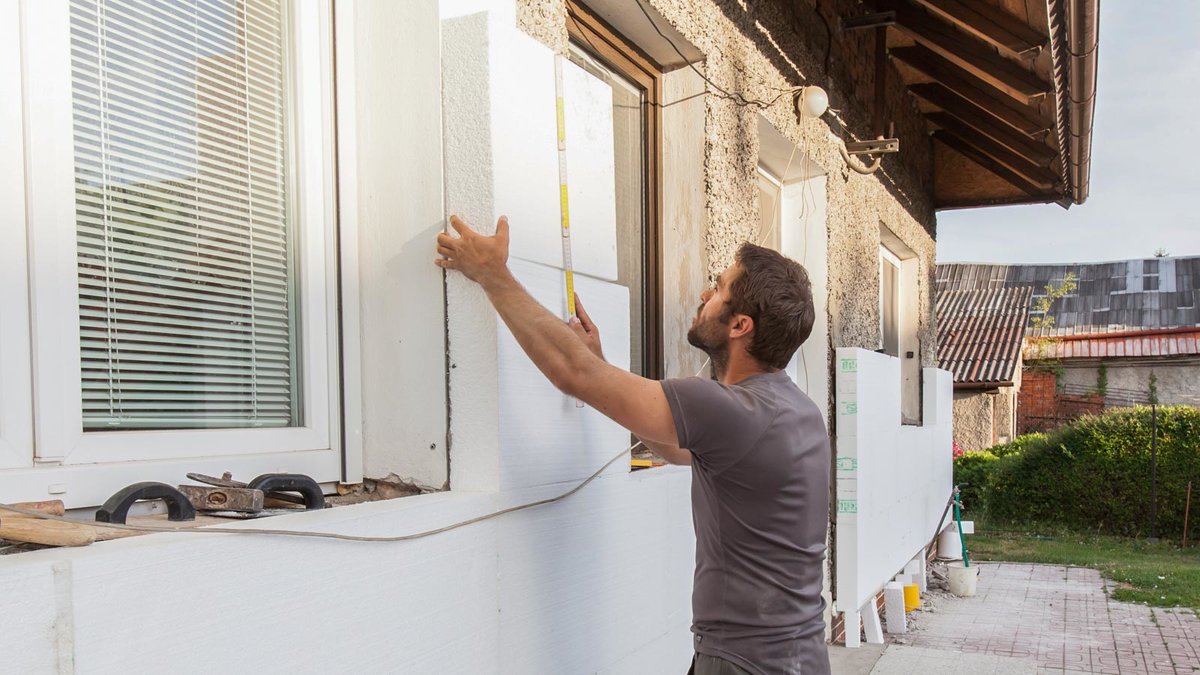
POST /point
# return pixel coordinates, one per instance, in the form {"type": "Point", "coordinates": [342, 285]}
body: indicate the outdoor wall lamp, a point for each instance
{"type": "Point", "coordinates": [811, 102]}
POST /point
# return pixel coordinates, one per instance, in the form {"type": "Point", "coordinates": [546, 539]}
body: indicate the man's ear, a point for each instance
{"type": "Point", "coordinates": [741, 326]}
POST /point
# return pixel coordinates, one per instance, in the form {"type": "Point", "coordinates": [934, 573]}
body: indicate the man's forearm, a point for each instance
{"type": "Point", "coordinates": [673, 454]}
{"type": "Point", "coordinates": [549, 342]}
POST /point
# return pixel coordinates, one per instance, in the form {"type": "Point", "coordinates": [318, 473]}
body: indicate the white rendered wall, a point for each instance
{"type": "Point", "coordinates": [893, 480]}
{"type": "Point", "coordinates": [390, 150]}
{"type": "Point", "coordinates": [599, 582]}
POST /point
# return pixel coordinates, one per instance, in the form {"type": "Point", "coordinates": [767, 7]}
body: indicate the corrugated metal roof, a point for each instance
{"type": "Point", "coordinates": [980, 333]}
{"type": "Point", "coordinates": [1112, 297]}
{"type": "Point", "coordinates": [1177, 342]}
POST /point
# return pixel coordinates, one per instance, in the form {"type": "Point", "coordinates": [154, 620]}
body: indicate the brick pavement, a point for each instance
{"type": "Point", "coordinates": [1045, 619]}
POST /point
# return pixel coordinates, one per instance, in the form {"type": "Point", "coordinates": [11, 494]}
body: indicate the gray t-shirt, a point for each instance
{"type": "Point", "coordinates": [760, 507]}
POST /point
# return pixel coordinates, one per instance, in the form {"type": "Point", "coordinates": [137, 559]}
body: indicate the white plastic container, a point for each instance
{"type": "Point", "coordinates": [962, 579]}
{"type": "Point", "coordinates": [949, 546]}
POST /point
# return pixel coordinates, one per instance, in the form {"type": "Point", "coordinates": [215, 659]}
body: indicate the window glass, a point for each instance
{"type": "Point", "coordinates": [187, 294]}
{"type": "Point", "coordinates": [889, 302]}
{"type": "Point", "coordinates": [629, 149]}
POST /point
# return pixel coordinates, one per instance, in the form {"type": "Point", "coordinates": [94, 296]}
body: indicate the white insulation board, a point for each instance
{"type": "Point", "coordinates": [517, 74]}
{"type": "Point", "coordinates": [546, 436]}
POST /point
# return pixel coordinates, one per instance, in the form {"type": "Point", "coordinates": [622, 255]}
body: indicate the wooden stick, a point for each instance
{"type": "Point", "coordinates": [47, 532]}
{"type": "Point", "coordinates": [53, 507]}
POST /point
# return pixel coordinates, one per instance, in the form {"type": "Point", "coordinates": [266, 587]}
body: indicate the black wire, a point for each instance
{"type": "Point", "coordinates": [739, 99]}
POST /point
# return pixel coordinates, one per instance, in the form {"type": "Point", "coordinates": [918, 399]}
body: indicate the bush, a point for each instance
{"type": "Point", "coordinates": [1095, 473]}
{"type": "Point", "coordinates": [1018, 444]}
{"type": "Point", "coordinates": [972, 471]}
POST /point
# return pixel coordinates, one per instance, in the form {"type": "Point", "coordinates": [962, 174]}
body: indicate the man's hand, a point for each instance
{"type": "Point", "coordinates": [587, 331]}
{"type": "Point", "coordinates": [480, 257]}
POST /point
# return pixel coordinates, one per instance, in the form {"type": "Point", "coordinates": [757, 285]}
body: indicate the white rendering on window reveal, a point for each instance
{"type": "Point", "coordinates": [181, 234]}
{"type": "Point", "coordinates": [16, 430]}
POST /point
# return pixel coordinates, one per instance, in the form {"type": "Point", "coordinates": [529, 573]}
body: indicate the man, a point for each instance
{"type": "Point", "coordinates": [757, 445]}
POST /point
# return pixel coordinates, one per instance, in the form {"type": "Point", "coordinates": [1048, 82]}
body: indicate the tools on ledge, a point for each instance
{"type": "Point", "coordinates": [218, 498]}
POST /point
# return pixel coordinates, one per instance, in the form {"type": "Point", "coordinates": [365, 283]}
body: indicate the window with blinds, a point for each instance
{"type": "Point", "coordinates": [186, 244]}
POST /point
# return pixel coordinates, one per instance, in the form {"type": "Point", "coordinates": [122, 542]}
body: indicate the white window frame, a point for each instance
{"type": "Point", "coordinates": [886, 257]}
{"type": "Point", "coordinates": [16, 428]}
{"type": "Point", "coordinates": [58, 439]}
{"type": "Point", "coordinates": [767, 182]}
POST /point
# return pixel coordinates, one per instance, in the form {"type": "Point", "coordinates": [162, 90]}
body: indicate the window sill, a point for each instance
{"type": "Point", "coordinates": [90, 485]}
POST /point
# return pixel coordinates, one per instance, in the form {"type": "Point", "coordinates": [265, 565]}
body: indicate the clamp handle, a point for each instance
{"type": "Point", "coordinates": [116, 509]}
{"type": "Point", "coordinates": [308, 488]}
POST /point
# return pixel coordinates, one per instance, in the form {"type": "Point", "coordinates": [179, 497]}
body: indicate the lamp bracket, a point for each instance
{"type": "Point", "coordinates": [880, 146]}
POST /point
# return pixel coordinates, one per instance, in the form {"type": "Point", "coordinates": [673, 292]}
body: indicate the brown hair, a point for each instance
{"type": "Point", "coordinates": [775, 292]}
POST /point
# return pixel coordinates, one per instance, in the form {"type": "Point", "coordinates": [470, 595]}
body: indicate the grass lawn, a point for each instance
{"type": "Point", "coordinates": [1159, 574]}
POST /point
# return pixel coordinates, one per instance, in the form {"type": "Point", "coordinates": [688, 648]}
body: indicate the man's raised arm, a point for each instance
{"type": "Point", "coordinates": [634, 402]}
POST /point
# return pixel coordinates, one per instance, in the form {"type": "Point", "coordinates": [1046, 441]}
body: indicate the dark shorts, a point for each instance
{"type": "Point", "coordinates": [703, 664]}
{"type": "Point", "coordinates": [815, 661]}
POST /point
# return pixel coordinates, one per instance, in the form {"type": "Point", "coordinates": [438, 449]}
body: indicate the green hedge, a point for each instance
{"type": "Point", "coordinates": [1091, 474]}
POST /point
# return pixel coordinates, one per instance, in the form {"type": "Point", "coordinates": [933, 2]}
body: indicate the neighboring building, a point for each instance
{"type": "Point", "coordinates": [980, 333]}
{"type": "Point", "coordinates": [218, 224]}
{"type": "Point", "coordinates": [1127, 321]}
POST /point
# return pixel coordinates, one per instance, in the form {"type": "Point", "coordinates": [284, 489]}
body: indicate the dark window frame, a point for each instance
{"type": "Point", "coordinates": [591, 33]}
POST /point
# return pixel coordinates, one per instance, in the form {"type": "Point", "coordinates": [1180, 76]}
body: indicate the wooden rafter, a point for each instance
{"type": "Point", "coordinates": [968, 86]}
{"type": "Point", "coordinates": [972, 153]}
{"type": "Point", "coordinates": [987, 22]}
{"type": "Point", "coordinates": [980, 120]}
{"type": "Point", "coordinates": [1033, 173]}
{"type": "Point", "coordinates": [968, 52]}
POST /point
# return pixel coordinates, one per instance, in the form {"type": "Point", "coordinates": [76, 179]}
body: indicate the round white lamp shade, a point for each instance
{"type": "Point", "coordinates": [813, 101]}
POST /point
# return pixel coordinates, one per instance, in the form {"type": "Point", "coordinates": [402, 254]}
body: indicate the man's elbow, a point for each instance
{"type": "Point", "coordinates": [571, 377]}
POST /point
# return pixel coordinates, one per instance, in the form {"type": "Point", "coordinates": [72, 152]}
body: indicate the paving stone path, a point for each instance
{"type": "Point", "coordinates": [1045, 619]}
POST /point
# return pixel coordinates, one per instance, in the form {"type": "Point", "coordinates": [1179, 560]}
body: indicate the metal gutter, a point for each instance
{"type": "Point", "coordinates": [1074, 39]}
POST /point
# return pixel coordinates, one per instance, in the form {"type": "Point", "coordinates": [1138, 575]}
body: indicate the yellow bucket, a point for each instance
{"type": "Point", "coordinates": [912, 597]}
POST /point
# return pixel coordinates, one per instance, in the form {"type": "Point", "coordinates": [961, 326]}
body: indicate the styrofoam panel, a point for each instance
{"type": "Point", "coordinates": [544, 436]}
{"type": "Point", "coordinates": [428, 604]}
{"type": "Point", "coordinates": [470, 320]}
{"type": "Point", "coordinates": [591, 172]}
{"type": "Point", "coordinates": [898, 476]}
{"type": "Point", "coordinates": [27, 624]}
{"type": "Point", "coordinates": [602, 577]}
{"type": "Point", "coordinates": [567, 589]}
{"type": "Point", "coordinates": [516, 74]}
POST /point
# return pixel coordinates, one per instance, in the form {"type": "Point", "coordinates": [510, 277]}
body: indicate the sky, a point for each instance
{"type": "Point", "coordinates": [1145, 155]}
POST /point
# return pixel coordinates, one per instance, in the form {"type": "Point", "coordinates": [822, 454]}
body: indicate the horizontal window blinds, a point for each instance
{"type": "Point", "coordinates": [185, 236]}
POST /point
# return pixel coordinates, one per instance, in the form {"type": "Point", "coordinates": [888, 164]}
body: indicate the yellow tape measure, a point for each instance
{"type": "Point", "coordinates": [568, 268]}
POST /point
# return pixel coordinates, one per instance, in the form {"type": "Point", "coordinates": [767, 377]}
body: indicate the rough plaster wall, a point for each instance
{"type": "Point", "coordinates": [973, 420]}
{"type": "Point", "coordinates": [546, 21]}
{"type": "Point", "coordinates": [1178, 380]}
{"type": "Point", "coordinates": [898, 196]}
{"type": "Point", "coordinates": [399, 198]}
{"type": "Point", "coordinates": [856, 204]}
{"type": "Point", "coordinates": [1005, 414]}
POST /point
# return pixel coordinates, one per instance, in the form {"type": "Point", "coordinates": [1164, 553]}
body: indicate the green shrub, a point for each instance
{"type": "Point", "coordinates": [1094, 473]}
{"type": "Point", "coordinates": [1018, 444]}
{"type": "Point", "coordinates": [972, 471]}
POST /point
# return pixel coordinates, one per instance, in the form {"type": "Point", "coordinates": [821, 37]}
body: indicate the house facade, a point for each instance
{"type": "Point", "coordinates": [218, 240]}
{"type": "Point", "coordinates": [980, 336]}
